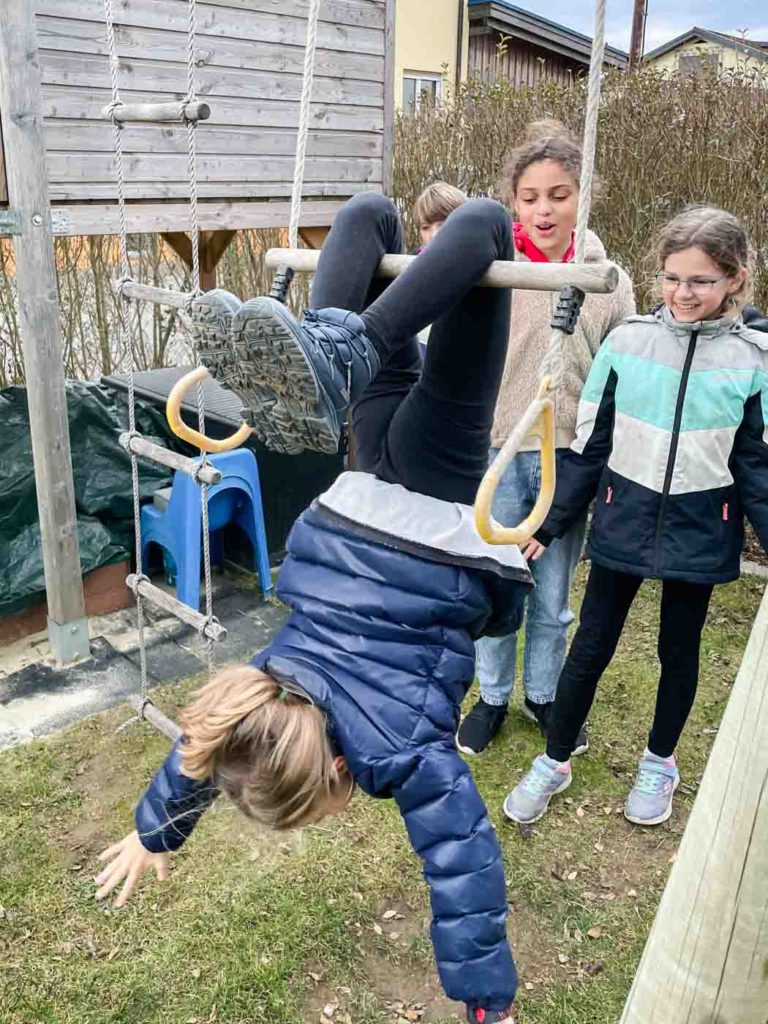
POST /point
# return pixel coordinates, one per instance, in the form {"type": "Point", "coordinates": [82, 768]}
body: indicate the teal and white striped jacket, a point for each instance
{"type": "Point", "coordinates": [672, 443]}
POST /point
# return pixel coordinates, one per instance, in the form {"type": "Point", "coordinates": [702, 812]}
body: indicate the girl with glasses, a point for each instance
{"type": "Point", "coordinates": [672, 445]}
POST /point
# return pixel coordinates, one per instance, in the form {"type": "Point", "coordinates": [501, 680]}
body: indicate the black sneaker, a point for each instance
{"type": "Point", "coordinates": [480, 1016]}
{"type": "Point", "coordinates": [480, 726]}
{"type": "Point", "coordinates": [541, 713]}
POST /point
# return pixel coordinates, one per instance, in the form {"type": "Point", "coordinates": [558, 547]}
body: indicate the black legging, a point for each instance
{"type": "Point", "coordinates": [429, 431]}
{"type": "Point", "coordinates": [607, 600]}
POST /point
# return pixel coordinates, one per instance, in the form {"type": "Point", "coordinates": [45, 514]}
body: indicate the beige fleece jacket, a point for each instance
{"type": "Point", "coordinates": [528, 341]}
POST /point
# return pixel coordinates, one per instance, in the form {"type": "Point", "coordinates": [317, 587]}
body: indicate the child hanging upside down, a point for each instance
{"type": "Point", "coordinates": [388, 582]}
{"type": "Point", "coordinates": [672, 443]}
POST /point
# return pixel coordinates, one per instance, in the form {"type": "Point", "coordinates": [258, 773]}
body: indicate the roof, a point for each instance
{"type": "Point", "coordinates": [515, 21]}
{"type": "Point", "coordinates": [748, 48]}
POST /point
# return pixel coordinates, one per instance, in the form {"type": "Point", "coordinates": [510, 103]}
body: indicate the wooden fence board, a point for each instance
{"type": "Point", "coordinates": [96, 137]}
{"type": "Point", "coordinates": [221, 21]}
{"type": "Point", "coordinates": [88, 37]}
{"type": "Point", "coordinates": [166, 81]}
{"type": "Point", "coordinates": [87, 104]}
{"type": "Point", "coordinates": [91, 218]}
{"type": "Point", "coordinates": [170, 167]}
{"type": "Point", "coordinates": [233, 190]}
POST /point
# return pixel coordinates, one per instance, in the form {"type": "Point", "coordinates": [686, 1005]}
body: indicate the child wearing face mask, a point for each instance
{"type": "Point", "coordinates": [672, 445]}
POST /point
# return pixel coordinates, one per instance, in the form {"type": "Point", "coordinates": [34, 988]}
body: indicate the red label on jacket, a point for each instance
{"type": "Point", "coordinates": [725, 512]}
{"type": "Point", "coordinates": [609, 496]}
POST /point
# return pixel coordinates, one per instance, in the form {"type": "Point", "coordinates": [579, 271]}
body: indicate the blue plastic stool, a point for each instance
{"type": "Point", "coordinates": [178, 528]}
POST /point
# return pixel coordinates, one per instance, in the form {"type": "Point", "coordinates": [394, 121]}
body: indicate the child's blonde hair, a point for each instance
{"type": "Point", "coordinates": [437, 202]}
{"type": "Point", "coordinates": [544, 140]}
{"type": "Point", "coordinates": [261, 745]}
{"type": "Point", "coordinates": [719, 234]}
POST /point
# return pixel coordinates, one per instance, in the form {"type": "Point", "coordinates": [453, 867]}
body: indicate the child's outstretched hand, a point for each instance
{"type": "Point", "coordinates": [128, 860]}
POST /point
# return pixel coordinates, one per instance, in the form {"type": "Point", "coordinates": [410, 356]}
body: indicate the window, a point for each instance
{"type": "Point", "coordinates": [694, 63]}
{"type": "Point", "coordinates": [417, 85]}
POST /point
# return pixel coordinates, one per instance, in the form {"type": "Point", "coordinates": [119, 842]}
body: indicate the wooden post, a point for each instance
{"type": "Point", "coordinates": [389, 99]}
{"type": "Point", "coordinates": [21, 104]}
{"type": "Point", "coordinates": [706, 959]}
{"type": "Point", "coordinates": [213, 245]}
{"type": "Point", "coordinates": [313, 238]}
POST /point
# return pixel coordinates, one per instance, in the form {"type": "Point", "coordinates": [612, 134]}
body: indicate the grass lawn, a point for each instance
{"type": "Point", "coordinates": [252, 928]}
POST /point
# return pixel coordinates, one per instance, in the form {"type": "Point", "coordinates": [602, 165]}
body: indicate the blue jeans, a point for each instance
{"type": "Point", "coordinates": [548, 613]}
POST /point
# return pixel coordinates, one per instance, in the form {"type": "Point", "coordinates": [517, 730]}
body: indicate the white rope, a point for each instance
{"type": "Point", "coordinates": [553, 364]}
{"type": "Point", "coordinates": [303, 132]}
{"type": "Point", "coordinates": [124, 310]}
{"type": "Point", "coordinates": [590, 130]}
{"type": "Point", "coordinates": [125, 271]}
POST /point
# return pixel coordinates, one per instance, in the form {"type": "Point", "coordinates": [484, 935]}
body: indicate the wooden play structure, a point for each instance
{"type": "Point", "coordinates": [100, 102]}
{"type": "Point", "coordinates": [58, 166]}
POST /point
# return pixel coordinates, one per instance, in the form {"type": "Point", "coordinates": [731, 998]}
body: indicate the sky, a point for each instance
{"type": "Point", "coordinates": [666, 18]}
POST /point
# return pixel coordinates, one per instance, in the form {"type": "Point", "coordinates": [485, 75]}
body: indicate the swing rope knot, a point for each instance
{"type": "Point", "coordinates": [110, 109]}
{"type": "Point", "coordinates": [188, 99]}
{"type": "Point", "coordinates": [138, 579]}
{"type": "Point", "coordinates": [210, 620]}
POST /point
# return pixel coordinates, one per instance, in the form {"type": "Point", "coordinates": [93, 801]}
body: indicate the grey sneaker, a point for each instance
{"type": "Point", "coordinates": [212, 314]}
{"type": "Point", "coordinates": [530, 798]}
{"type": "Point", "coordinates": [650, 799]}
{"type": "Point", "coordinates": [314, 369]}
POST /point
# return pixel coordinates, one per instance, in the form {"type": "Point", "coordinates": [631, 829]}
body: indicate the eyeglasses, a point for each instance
{"type": "Point", "coordinates": [698, 285]}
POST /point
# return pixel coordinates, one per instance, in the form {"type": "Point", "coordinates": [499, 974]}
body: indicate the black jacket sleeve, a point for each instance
{"type": "Point", "coordinates": [580, 467]}
{"type": "Point", "coordinates": [749, 463]}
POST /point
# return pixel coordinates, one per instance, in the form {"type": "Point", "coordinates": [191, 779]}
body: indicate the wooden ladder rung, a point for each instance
{"type": "Point", "coordinates": [149, 293]}
{"type": "Point", "coordinates": [207, 474]}
{"type": "Point", "coordinates": [159, 598]}
{"type": "Point", "coordinates": [146, 710]}
{"type": "Point", "coordinates": [540, 277]}
{"type": "Point", "coordinates": [160, 113]}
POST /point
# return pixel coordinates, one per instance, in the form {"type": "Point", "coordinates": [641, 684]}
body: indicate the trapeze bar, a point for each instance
{"type": "Point", "coordinates": [159, 112]}
{"type": "Point", "coordinates": [540, 277]}
{"type": "Point", "coordinates": [141, 446]}
{"type": "Point", "coordinates": [158, 597]}
{"type": "Point", "coordinates": [159, 721]}
{"type": "Point", "coordinates": [148, 293]}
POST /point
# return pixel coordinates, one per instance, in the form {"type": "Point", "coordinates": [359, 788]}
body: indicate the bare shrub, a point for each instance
{"type": "Point", "coordinates": [664, 142]}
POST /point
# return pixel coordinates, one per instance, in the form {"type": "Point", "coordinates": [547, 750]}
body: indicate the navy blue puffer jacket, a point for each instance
{"type": "Point", "coordinates": [383, 642]}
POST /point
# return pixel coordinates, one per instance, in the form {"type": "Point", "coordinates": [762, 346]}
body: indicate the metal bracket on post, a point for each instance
{"type": "Point", "coordinates": [10, 222]}
{"type": "Point", "coordinates": [69, 642]}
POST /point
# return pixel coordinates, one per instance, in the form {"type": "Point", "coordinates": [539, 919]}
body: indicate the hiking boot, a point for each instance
{"type": "Point", "coordinates": [314, 369]}
{"type": "Point", "coordinates": [650, 799]}
{"type": "Point", "coordinates": [480, 726]}
{"type": "Point", "coordinates": [479, 1016]}
{"type": "Point", "coordinates": [530, 798]}
{"type": "Point", "coordinates": [211, 314]}
{"type": "Point", "coordinates": [541, 714]}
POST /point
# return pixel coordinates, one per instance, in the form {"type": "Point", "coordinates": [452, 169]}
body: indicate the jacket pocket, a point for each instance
{"type": "Point", "coordinates": [624, 520]}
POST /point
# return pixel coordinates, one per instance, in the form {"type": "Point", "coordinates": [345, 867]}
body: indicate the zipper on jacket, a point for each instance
{"type": "Point", "coordinates": [673, 451]}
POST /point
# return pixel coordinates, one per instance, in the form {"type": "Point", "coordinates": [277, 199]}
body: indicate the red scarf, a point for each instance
{"type": "Point", "coordinates": [524, 245]}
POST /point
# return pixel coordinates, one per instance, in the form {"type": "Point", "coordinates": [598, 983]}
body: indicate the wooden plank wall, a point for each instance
{"type": "Point", "coordinates": [520, 63]}
{"type": "Point", "coordinates": [250, 57]}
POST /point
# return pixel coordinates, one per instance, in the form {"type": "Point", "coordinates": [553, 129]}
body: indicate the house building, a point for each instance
{"type": "Point", "coordinates": [699, 48]}
{"type": "Point", "coordinates": [431, 46]}
{"type": "Point", "coordinates": [508, 42]}
{"type": "Point", "coordinates": [438, 43]}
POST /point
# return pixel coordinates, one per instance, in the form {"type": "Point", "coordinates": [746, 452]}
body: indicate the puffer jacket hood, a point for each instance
{"type": "Point", "coordinates": [672, 443]}
{"type": "Point", "coordinates": [383, 641]}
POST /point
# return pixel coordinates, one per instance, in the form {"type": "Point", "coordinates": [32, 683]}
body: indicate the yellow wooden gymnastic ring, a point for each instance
{"type": "Point", "coordinates": [537, 421]}
{"type": "Point", "coordinates": [194, 437]}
